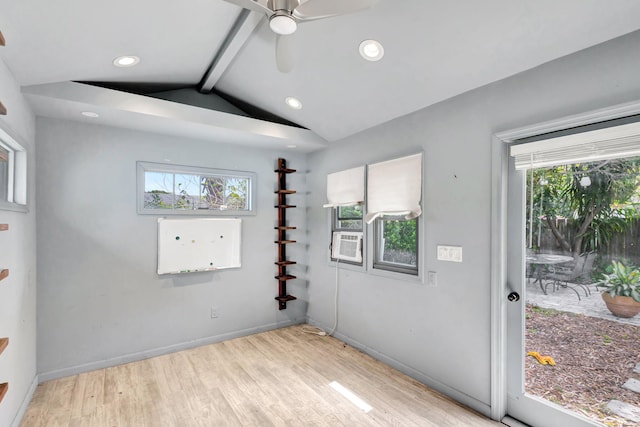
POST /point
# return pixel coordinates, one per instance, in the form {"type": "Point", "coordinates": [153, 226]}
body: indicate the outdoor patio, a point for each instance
{"type": "Point", "coordinates": [565, 299]}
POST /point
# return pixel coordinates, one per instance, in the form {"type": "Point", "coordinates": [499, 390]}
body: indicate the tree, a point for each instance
{"type": "Point", "coordinates": [598, 200]}
{"type": "Point", "coordinates": [225, 192]}
{"type": "Point", "coordinates": [400, 235]}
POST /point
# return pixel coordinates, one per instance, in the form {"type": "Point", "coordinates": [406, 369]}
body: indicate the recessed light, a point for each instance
{"type": "Point", "coordinates": [126, 61]}
{"type": "Point", "coordinates": [293, 102]}
{"type": "Point", "coordinates": [91, 114]}
{"type": "Point", "coordinates": [292, 146]}
{"type": "Point", "coordinates": [371, 50]}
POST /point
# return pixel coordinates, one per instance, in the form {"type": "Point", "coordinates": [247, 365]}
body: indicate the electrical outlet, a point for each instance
{"type": "Point", "coordinates": [214, 312]}
{"type": "Point", "coordinates": [432, 279]}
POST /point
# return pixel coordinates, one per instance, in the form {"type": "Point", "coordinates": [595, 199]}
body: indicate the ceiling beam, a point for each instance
{"type": "Point", "coordinates": [244, 26]}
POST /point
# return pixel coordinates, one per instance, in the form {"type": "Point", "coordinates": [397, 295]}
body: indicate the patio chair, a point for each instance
{"type": "Point", "coordinates": [568, 278]}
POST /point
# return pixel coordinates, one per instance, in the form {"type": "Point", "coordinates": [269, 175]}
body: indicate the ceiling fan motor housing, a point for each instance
{"type": "Point", "coordinates": [283, 6]}
{"type": "Point", "coordinates": [282, 21]}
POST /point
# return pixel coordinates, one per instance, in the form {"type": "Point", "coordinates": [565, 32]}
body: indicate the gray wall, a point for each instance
{"type": "Point", "coordinates": [18, 254]}
{"type": "Point", "coordinates": [100, 301]}
{"type": "Point", "coordinates": [442, 335]}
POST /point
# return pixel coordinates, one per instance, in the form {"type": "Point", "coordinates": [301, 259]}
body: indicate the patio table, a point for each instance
{"type": "Point", "coordinates": [541, 262]}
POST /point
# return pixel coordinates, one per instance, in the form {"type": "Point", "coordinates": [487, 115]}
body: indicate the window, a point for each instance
{"type": "Point", "coordinates": [394, 193]}
{"type": "Point", "coordinates": [347, 219]}
{"type": "Point", "coordinates": [13, 174]}
{"type": "Point", "coordinates": [396, 245]}
{"type": "Point", "coordinates": [188, 190]}
{"type": "Point", "coordinates": [345, 196]}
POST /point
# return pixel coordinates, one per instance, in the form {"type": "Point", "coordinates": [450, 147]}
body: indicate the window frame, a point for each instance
{"type": "Point", "coordinates": [143, 167]}
{"type": "Point", "coordinates": [334, 228]}
{"type": "Point", "coordinates": [17, 190]}
{"type": "Point", "coordinates": [336, 219]}
{"type": "Point", "coordinates": [381, 265]}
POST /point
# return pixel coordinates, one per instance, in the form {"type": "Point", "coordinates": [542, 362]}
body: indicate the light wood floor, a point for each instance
{"type": "Point", "coordinates": [276, 378]}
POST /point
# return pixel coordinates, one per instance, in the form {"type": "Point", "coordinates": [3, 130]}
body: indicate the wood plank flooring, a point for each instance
{"type": "Point", "coordinates": [275, 378]}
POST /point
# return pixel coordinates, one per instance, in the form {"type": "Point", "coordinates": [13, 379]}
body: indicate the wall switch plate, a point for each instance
{"type": "Point", "coordinates": [450, 253]}
{"type": "Point", "coordinates": [432, 279]}
{"type": "Point", "coordinates": [214, 312]}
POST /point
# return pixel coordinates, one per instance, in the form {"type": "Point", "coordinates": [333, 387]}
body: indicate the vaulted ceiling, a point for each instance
{"type": "Point", "coordinates": [434, 49]}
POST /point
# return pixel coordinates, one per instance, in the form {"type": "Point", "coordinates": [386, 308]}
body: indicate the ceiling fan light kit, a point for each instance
{"type": "Point", "coordinates": [282, 23]}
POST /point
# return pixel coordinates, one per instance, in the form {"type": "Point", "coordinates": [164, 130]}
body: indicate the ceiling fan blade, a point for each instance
{"type": "Point", "coordinates": [316, 9]}
{"type": "Point", "coordinates": [285, 56]}
{"type": "Point", "coordinates": [254, 5]}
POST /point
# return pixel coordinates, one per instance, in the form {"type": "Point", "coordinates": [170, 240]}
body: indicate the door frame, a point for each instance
{"type": "Point", "coordinates": [499, 188]}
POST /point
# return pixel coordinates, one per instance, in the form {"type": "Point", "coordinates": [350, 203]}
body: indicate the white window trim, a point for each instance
{"type": "Point", "coordinates": [142, 167]}
{"type": "Point", "coordinates": [17, 195]}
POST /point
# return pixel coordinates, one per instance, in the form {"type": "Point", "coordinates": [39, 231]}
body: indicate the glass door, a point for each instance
{"type": "Point", "coordinates": [521, 405]}
{"type": "Point", "coordinates": [587, 168]}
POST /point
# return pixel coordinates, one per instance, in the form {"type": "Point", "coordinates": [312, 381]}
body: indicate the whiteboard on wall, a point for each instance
{"type": "Point", "coordinates": [198, 244]}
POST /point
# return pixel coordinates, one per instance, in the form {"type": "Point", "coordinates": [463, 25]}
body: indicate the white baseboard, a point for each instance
{"type": "Point", "coordinates": [454, 394]}
{"type": "Point", "coordinates": [25, 403]}
{"type": "Point", "coordinates": [133, 357]}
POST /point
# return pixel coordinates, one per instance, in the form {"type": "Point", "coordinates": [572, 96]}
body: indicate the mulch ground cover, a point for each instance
{"type": "Point", "coordinates": [594, 358]}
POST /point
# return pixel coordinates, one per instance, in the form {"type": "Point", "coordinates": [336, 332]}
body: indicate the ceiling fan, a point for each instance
{"type": "Point", "coordinates": [285, 15]}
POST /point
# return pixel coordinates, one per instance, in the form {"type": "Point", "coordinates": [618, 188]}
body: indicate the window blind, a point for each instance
{"type": "Point", "coordinates": [345, 188]}
{"type": "Point", "coordinates": [394, 188]}
{"type": "Point", "coordinates": [600, 144]}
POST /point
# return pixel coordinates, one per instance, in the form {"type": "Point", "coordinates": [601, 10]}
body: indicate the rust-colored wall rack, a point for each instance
{"type": "Point", "coordinates": [3, 390]}
{"type": "Point", "coordinates": [282, 228]}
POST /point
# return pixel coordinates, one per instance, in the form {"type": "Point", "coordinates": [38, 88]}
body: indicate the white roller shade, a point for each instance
{"type": "Point", "coordinates": [613, 142]}
{"type": "Point", "coordinates": [395, 188]}
{"type": "Point", "coordinates": [345, 188]}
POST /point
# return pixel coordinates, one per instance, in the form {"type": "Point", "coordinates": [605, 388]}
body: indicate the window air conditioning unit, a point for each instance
{"type": "Point", "coordinates": [347, 246]}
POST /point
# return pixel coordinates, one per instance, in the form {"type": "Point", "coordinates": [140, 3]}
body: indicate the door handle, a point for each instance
{"type": "Point", "coordinates": [513, 296]}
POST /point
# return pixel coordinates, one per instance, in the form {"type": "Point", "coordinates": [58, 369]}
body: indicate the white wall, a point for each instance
{"type": "Point", "coordinates": [18, 254]}
{"type": "Point", "coordinates": [100, 301]}
{"type": "Point", "coordinates": [442, 335]}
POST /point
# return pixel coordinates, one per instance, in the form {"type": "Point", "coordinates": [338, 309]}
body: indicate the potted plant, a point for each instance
{"type": "Point", "coordinates": [621, 289]}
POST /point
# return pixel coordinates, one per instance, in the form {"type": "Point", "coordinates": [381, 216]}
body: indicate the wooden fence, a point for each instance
{"type": "Point", "coordinates": [622, 246]}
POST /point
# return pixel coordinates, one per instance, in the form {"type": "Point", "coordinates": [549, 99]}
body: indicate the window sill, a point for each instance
{"type": "Point", "coordinates": [195, 212]}
{"type": "Point", "coordinates": [14, 207]}
{"type": "Point", "coordinates": [406, 277]}
{"type": "Point", "coordinates": [343, 265]}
